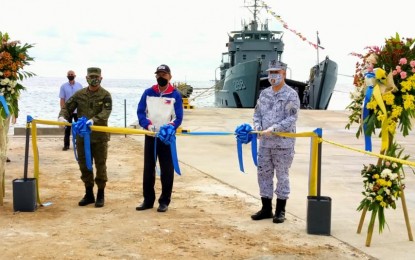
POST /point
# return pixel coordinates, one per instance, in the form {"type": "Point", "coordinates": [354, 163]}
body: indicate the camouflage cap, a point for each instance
{"type": "Point", "coordinates": [276, 65]}
{"type": "Point", "coordinates": [94, 71]}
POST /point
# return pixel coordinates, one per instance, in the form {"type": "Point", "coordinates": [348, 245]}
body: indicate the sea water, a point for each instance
{"type": "Point", "coordinates": [40, 100]}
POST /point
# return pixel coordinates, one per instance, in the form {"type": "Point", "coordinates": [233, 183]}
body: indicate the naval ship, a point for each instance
{"type": "Point", "coordinates": [242, 72]}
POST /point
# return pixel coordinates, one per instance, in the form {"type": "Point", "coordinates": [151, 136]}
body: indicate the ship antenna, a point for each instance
{"type": "Point", "coordinates": [256, 9]}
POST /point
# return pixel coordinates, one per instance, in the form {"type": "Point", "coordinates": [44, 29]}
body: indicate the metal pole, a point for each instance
{"type": "Point", "coordinates": [26, 153]}
{"type": "Point", "coordinates": [318, 46]}
{"type": "Point", "coordinates": [125, 115]}
{"type": "Point", "coordinates": [320, 134]}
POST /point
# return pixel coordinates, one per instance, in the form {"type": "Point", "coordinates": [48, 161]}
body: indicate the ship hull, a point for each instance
{"type": "Point", "coordinates": [322, 81]}
{"type": "Point", "coordinates": [240, 87]}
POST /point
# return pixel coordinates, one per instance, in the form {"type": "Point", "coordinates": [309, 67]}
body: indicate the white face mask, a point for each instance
{"type": "Point", "coordinates": [274, 79]}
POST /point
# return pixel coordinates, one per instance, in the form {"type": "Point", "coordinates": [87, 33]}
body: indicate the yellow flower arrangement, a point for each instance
{"type": "Point", "coordinates": [383, 185]}
{"type": "Point", "coordinates": [393, 67]}
{"type": "Point", "coordinates": [384, 98]}
{"type": "Point", "coordinates": [13, 57]}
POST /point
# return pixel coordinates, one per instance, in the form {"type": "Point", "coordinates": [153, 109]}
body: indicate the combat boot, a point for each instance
{"type": "Point", "coordinates": [266, 210]}
{"type": "Point", "coordinates": [100, 199]}
{"type": "Point", "coordinates": [88, 198]}
{"type": "Point", "coordinates": [280, 211]}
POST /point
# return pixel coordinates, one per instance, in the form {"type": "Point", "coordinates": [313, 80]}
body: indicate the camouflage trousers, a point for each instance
{"type": "Point", "coordinates": [278, 161]}
{"type": "Point", "coordinates": [99, 151]}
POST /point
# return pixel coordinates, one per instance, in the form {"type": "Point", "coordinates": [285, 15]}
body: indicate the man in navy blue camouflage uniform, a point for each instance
{"type": "Point", "coordinates": [276, 111]}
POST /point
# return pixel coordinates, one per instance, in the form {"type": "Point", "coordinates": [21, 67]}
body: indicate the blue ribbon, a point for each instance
{"type": "Point", "coordinates": [4, 104]}
{"type": "Point", "coordinates": [254, 149]}
{"type": "Point", "coordinates": [368, 96]}
{"type": "Point", "coordinates": [83, 129]}
{"type": "Point", "coordinates": [244, 136]}
{"type": "Point", "coordinates": [167, 135]}
{"type": "Point", "coordinates": [207, 133]}
{"type": "Point", "coordinates": [155, 157]}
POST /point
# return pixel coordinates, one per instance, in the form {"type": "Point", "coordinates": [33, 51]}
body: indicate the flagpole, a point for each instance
{"type": "Point", "coordinates": [318, 46]}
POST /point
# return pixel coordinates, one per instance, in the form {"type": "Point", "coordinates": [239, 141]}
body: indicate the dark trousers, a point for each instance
{"type": "Point", "coordinates": [66, 141]}
{"type": "Point", "coordinates": [163, 154]}
{"type": "Point", "coordinates": [99, 153]}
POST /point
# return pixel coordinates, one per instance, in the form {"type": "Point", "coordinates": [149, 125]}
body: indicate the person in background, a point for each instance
{"type": "Point", "coordinates": [276, 111]}
{"type": "Point", "coordinates": [95, 104]}
{"type": "Point", "coordinates": [159, 105]}
{"type": "Point", "coordinates": [66, 91]}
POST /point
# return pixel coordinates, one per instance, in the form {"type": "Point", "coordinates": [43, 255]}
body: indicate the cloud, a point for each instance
{"type": "Point", "coordinates": [129, 38]}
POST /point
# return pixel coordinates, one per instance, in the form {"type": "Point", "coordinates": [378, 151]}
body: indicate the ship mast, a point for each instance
{"type": "Point", "coordinates": [255, 11]}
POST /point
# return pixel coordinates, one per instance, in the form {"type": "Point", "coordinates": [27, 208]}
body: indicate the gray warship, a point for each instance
{"type": "Point", "coordinates": [242, 72]}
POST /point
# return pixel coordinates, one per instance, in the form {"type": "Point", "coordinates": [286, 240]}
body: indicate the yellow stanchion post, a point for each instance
{"type": "Point", "coordinates": [35, 159]}
{"type": "Point", "coordinates": [24, 190]}
{"type": "Point", "coordinates": [318, 207]}
{"type": "Point", "coordinates": [312, 186]}
{"type": "Point", "coordinates": [186, 104]}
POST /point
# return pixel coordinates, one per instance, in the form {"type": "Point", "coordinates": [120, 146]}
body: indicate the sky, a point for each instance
{"type": "Point", "coordinates": [128, 39]}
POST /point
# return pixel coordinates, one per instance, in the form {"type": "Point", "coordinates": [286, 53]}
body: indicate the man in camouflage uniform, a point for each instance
{"type": "Point", "coordinates": [94, 103]}
{"type": "Point", "coordinates": [276, 111]}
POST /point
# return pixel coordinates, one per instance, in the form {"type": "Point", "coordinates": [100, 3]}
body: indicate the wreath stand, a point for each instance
{"type": "Point", "coordinates": [4, 129]}
{"type": "Point", "coordinates": [373, 218]}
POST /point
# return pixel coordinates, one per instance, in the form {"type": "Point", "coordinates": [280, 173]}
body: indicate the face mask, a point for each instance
{"type": "Point", "coordinates": [94, 82]}
{"type": "Point", "coordinates": [71, 78]}
{"type": "Point", "coordinates": [274, 79]}
{"type": "Point", "coordinates": [162, 81]}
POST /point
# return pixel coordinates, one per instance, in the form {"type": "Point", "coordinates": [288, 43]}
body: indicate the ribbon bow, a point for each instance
{"type": "Point", "coordinates": [375, 81]}
{"type": "Point", "coordinates": [83, 129]}
{"type": "Point", "coordinates": [368, 95]}
{"type": "Point", "coordinates": [4, 104]}
{"type": "Point", "coordinates": [167, 134]}
{"type": "Point", "coordinates": [244, 136]}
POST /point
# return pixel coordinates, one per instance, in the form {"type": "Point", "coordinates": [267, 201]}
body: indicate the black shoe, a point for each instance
{"type": "Point", "coordinates": [99, 203]}
{"type": "Point", "coordinates": [279, 217]}
{"type": "Point", "coordinates": [86, 200]}
{"type": "Point", "coordinates": [65, 148]}
{"type": "Point", "coordinates": [100, 199]}
{"type": "Point", "coordinates": [8, 160]}
{"type": "Point", "coordinates": [162, 208]}
{"type": "Point", "coordinates": [144, 206]}
{"type": "Point", "coordinates": [262, 214]}
{"type": "Point", "coordinates": [280, 211]}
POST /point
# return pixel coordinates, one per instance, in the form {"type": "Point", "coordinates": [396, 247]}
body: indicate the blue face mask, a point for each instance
{"type": "Point", "coordinates": [274, 79]}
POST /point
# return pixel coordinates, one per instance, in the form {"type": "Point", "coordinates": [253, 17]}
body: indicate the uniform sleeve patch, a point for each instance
{"type": "Point", "coordinates": [292, 108]}
{"type": "Point", "coordinates": [108, 103]}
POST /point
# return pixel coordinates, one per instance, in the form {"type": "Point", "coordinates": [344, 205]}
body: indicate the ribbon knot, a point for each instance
{"type": "Point", "coordinates": [167, 134]}
{"type": "Point", "coordinates": [244, 135]}
{"type": "Point", "coordinates": [83, 129]}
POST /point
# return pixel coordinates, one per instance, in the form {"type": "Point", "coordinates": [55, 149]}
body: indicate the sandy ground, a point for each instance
{"type": "Point", "coordinates": [206, 219]}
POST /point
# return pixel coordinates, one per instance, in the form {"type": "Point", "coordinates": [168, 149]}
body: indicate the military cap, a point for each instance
{"type": "Point", "coordinates": [94, 71]}
{"type": "Point", "coordinates": [276, 65]}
